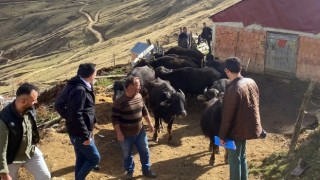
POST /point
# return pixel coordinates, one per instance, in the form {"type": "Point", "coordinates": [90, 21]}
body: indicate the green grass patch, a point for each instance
{"type": "Point", "coordinates": [104, 82]}
{"type": "Point", "coordinates": [279, 166]}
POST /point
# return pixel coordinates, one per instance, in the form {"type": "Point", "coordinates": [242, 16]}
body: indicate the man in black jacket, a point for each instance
{"type": "Point", "coordinates": [207, 35]}
{"type": "Point", "coordinates": [76, 104]}
{"type": "Point", "coordinates": [19, 136]}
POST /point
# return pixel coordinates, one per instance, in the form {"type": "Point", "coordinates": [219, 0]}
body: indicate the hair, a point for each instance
{"type": "Point", "coordinates": [233, 64]}
{"type": "Point", "coordinates": [26, 89]}
{"type": "Point", "coordinates": [86, 70]}
{"type": "Point", "coordinates": [204, 23]}
{"type": "Point", "coordinates": [184, 28]}
{"type": "Point", "coordinates": [130, 80]}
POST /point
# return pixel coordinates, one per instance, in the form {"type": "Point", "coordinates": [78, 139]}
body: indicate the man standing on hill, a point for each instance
{"type": "Point", "coordinates": [240, 117]}
{"type": "Point", "coordinates": [183, 39]}
{"type": "Point", "coordinates": [19, 136]}
{"type": "Point", "coordinates": [127, 113]}
{"type": "Point", "coordinates": [76, 104]}
{"type": "Point", "coordinates": [207, 35]}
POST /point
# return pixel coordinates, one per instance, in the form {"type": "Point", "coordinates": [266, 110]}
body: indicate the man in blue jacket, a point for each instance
{"type": "Point", "coordinates": [76, 104]}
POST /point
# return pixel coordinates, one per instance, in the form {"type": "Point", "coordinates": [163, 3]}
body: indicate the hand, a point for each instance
{"type": "Point", "coordinates": [120, 137]}
{"type": "Point", "coordinates": [5, 177]}
{"type": "Point", "coordinates": [151, 128]}
{"type": "Point", "coordinates": [222, 142]}
{"type": "Point", "coordinates": [87, 142]}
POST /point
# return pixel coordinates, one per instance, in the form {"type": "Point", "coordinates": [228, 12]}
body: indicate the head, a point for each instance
{"type": "Point", "coordinates": [233, 67]}
{"type": "Point", "coordinates": [176, 102]}
{"type": "Point", "coordinates": [26, 97]}
{"type": "Point", "coordinates": [204, 24]}
{"type": "Point", "coordinates": [132, 86]}
{"type": "Point", "coordinates": [184, 29]}
{"type": "Point", "coordinates": [88, 72]}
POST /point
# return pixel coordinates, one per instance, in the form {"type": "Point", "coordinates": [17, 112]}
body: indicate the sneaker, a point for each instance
{"type": "Point", "coordinates": [150, 174]}
{"type": "Point", "coordinates": [128, 176]}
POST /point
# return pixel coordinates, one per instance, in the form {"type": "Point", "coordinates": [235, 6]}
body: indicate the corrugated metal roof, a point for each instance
{"type": "Point", "coordinates": [139, 47]}
{"type": "Point", "coordinates": [297, 15]}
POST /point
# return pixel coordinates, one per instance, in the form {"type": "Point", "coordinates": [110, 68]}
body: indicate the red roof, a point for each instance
{"type": "Point", "coordinates": [298, 15]}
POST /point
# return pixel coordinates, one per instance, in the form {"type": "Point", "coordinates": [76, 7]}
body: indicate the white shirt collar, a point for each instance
{"type": "Point", "coordinates": [87, 84]}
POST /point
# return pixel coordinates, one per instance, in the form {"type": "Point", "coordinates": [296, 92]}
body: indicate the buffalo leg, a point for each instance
{"type": "Point", "coordinates": [170, 130]}
{"type": "Point", "coordinates": [226, 156]}
{"type": "Point", "coordinates": [212, 157]}
{"type": "Point", "coordinates": [155, 135]}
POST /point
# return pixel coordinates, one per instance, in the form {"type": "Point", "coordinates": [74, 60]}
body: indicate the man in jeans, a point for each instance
{"type": "Point", "coordinates": [76, 104]}
{"type": "Point", "coordinates": [127, 113]}
{"type": "Point", "coordinates": [240, 117]}
{"type": "Point", "coordinates": [19, 136]}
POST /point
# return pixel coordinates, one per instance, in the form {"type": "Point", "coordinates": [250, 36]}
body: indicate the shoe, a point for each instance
{"type": "Point", "coordinates": [150, 174]}
{"type": "Point", "coordinates": [128, 176]}
{"type": "Point", "coordinates": [96, 168]}
{"type": "Point", "coordinates": [263, 134]}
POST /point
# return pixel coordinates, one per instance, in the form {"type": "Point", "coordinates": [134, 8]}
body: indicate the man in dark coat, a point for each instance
{"type": "Point", "coordinates": [183, 39]}
{"type": "Point", "coordinates": [207, 35]}
{"type": "Point", "coordinates": [76, 104]}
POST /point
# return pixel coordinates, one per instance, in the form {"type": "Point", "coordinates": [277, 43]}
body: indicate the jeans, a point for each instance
{"type": "Point", "coordinates": [141, 142]}
{"type": "Point", "coordinates": [87, 157]}
{"type": "Point", "coordinates": [238, 162]}
{"type": "Point", "coordinates": [36, 165]}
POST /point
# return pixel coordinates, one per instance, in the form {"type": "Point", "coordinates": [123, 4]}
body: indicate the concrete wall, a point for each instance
{"type": "Point", "coordinates": [230, 39]}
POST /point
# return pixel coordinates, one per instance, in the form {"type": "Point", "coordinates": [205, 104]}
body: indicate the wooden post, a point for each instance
{"type": "Point", "coordinates": [299, 121]}
{"type": "Point", "coordinates": [114, 59]}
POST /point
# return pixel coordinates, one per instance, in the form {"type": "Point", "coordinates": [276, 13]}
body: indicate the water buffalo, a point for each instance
{"type": "Point", "coordinates": [218, 87]}
{"type": "Point", "coordinates": [170, 62]}
{"type": "Point", "coordinates": [210, 124]}
{"type": "Point", "coordinates": [194, 53]}
{"type": "Point", "coordinates": [189, 80]}
{"type": "Point", "coordinates": [166, 103]}
{"type": "Point", "coordinates": [145, 74]}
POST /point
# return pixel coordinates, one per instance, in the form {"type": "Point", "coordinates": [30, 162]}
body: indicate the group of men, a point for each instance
{"type": "Point", "coordinates": [184, 39]}
{"type": "Point", "coordinates": [76, 104]}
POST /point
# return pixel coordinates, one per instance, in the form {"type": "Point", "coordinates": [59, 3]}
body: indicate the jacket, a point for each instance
{"type": "Point", "coordinates": [240, 112]}
{"type": "Point", "coordinates": [76, 104]}
{"type": "Point", "coordinates": [206, 33]}
{"type": "Point", "coordinates": [13, 120]}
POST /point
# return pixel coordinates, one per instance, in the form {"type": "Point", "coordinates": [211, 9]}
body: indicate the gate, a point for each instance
{"type": "Point", "coordinates": [281, 54]}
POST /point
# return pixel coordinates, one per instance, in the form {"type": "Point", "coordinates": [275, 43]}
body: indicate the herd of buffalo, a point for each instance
{"type": "Point", "coordinates": [168, 78]}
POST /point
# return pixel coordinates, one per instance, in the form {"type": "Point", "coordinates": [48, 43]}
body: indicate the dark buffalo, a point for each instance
{"type": "Point", "coordinates": [210, 124]}
{"type": "Point", "coordinates": [217, 88]}
{"type": "Point", "coordinates": [145, 74]}
{"type": "Point", "coordinates": [193, 53]}
{"type": "Point", "coordinates": [166, 103]}
{"type": "Point", "coordinates": [170, 62]}
{"type": "Point", "coordinates": [213, 63]}
{"type": "Point", "coordinates": [189, 80]}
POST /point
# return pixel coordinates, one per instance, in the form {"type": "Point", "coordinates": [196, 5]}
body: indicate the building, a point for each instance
{"type": "Point", "coordinates": [280, 37]}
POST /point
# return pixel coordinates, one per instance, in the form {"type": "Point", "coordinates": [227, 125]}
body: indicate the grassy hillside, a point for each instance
{"type": "Point", "coordinates": [44, 41]}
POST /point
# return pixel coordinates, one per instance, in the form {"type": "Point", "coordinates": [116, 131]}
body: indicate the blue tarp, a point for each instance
{"type": "Point", "coordinates": [139, 47]}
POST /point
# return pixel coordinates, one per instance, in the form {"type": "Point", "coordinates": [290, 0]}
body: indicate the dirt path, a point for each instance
{"type": "Point", "coordinates": [92, 22]}
{"type": "Point", "coordinates": [90, 28]}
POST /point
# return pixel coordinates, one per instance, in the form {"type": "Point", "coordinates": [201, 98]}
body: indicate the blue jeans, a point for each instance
{"type": "Point", "coordinates": [238, 162]}
{"type": "Point", "coordinates": [141, 142]}
{"type": "Point", "coordinates": [87, 157]}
